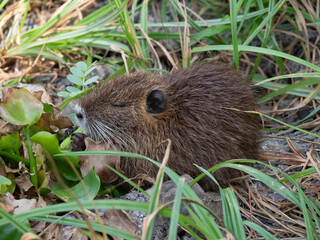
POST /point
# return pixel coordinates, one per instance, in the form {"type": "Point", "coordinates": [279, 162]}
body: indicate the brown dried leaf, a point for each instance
{"type": "Point", "coordinates": [87, 162]}
{"type": "Point", "coordinates": [49, 121]}
{"type": "Point", "coordinates": [29, 236]}
{"type": "Point", "coordinates": [8, 128]}
{"type": "Point", "coordinates": [23, 182]}
{"type": "Point", "coordinates": [73, 234]}
{"type": "Point", "coordinates": [21, 205]}
{"type": "Point", "coordinates": [121, 220]}
{"type": "Point", "coordinates": [8, 208]}
{"type": "Point", "coordinates": [43, 96]}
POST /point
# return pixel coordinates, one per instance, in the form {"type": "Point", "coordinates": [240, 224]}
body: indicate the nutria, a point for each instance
{"type": "Point", "coordinates": [201, 109]}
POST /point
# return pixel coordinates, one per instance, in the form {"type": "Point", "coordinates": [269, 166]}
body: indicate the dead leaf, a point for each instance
{"type": "Point", "coordinates": [73, 234]}
{"type": "Point", "coordinates": [21, 205]}
{"type": "Point", "coordinates": [87, 162]}
{"type": "Point", "coordinates": [38, 227]}
{"type": "Point", "coordinates": [8, 208]}
{"type": "Point", "coordinates": [121, 220]}
{"type": "Point", "coordinates": [8, 128]}
{"type": "Point", "coordinates": [23, 182]}
{"type": "Point", "coordinates": [42, 95]}
{"type": "Point", "coordinates": [29, 236]}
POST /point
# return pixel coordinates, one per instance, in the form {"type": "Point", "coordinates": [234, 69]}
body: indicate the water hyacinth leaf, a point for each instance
{"type": "Point", "coordinates": [19, 107]}
{"type": "Point", "coordinates": [91, 80]}
{"type": "Point", "coordinates": [87, 189]}
{"type": "Point", "coordinates": [74, 79]}
{"type": "Point", "coordinates": [77, 72]}
{"type": "Point", "coordinates": [82, 66]}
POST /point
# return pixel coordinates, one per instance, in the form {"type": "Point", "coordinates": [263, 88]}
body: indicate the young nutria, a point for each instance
{"type": "Point", "coordinates": [201, 109]}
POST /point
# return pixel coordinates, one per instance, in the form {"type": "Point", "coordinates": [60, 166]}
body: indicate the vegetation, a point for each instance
{"type": "Point", "coordinates": [275, 43]}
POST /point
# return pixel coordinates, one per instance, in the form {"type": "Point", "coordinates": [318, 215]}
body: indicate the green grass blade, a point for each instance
{"type": "Point", "coordinates": [36, 34]}
{"type": "Point", "coordinates": [289, 87]}
{"type": "Point", "coordinates": [288, 125]}
{"type": "Point", "coordinates": [294, 75]}
{"type": "Point", "coordinates": [83, 224]}
{"type": "Point", "coordinates": [264, 233]}
{"type": "Point", "coordinates": [17, 223]}
{"type": "Point", "coordinates": [207, 220]}
{"type": "Point", "coordinates": [258, 50]}
{"type": "Point", "coordinates": [270, 15]}
{"type": "Point", "coordinates": [173, 229]}
{"type": "Point", "coordinates": [144, 26]}
{"type": "Point", "coordinates": [264, 42]}
{"type": "Point", "coordinates": [234, 31]}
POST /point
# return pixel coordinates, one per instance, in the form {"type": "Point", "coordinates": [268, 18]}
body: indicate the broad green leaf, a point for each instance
{"type": "Point", "coordinates": [11, 141]}
{"type": "Point", "coordinates": [74, 79]}
{"type": "Point", "coordinates": [19, 107]}
{"type": "Point", "coordinates": [48, 141]}
{"type": "Point", "coordinates": [77, 72]}
{"type": "Point", "coordinates": [51, 144]}
{"type": "Point", "coordinates": [85, 190]}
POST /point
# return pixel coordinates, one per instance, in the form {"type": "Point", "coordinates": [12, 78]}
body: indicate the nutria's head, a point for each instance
{"type": "Point", "coordinates": [125, 110]}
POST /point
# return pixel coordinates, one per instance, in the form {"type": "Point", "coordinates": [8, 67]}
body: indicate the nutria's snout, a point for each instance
{"type": "Point", "coordinates": [81, 116]}
{"type": "Point", "coordinates": [201, 109]}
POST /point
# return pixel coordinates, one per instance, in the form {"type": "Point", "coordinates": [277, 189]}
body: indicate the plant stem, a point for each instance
{"type": "Point", "coordinates": [14, 157]}
{"type": "Point", "coordinates": [32, 160]}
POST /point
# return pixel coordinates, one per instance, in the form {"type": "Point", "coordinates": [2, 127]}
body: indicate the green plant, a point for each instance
{"type": "Point", "coordinates": [79, 77]}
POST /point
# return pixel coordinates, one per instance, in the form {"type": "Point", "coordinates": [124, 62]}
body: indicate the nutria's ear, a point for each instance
{"type": "Point", "coordinates": [155, 101]}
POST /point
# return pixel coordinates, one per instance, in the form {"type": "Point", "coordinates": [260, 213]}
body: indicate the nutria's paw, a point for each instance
{"type": "Point", "coordinates": [77, 141]}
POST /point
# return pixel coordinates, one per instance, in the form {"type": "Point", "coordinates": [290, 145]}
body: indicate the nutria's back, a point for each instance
{"type": "Point", "coordinates": [201, 109]}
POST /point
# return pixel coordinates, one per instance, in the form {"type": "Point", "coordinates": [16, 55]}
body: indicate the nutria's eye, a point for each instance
{"type": "Point", "coordinates": [119, 105]}
{"type": "Point", "coordinates": [155, 102]}
{"type": "Point", "coordinates": [79, 116]}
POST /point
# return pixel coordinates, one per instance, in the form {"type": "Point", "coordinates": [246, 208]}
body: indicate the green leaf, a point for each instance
{"type": "Point", "coordinates": [87, 189]}
{"type": "Point", "coordinates": [77, 72]}
{"type": "Point", "coordinates": [260, 230]}
{"type": "Point", "coordinates": [176, 210]}
{"type": "Point", "coordinates": [19, 107]}
{"type": "Point", "coordinates": [74, 79]}
{"type": "Point", "coordinates": [64, 94]}
{"type": "Point", "coordinates": [11, 141]}
{"type": "Point", "coordinates": [91, 80]}
{"type": "Point", "coordinates": [4, 180]}
{"type": "Point", "coordinates": [73, 89]}
{"type": "Point", "coordinates": [89, 70]}
{"type": "Point", "coordinates": [7, 231]}
{"type": "Point", "coordinates": [82, 66]}
{"type": "Point", "coordinates": [48, 141]}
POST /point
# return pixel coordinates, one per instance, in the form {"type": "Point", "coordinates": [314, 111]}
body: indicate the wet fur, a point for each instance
{"type": "Point", "coordinates": [204, 118]}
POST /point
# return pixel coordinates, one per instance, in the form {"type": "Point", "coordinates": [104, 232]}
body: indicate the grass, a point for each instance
{"type": "Point", "coordinates": [253, 35]}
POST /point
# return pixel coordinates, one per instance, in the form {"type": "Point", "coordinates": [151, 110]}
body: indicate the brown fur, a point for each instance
{"type": "Point", "coordinates": [204, 118]}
